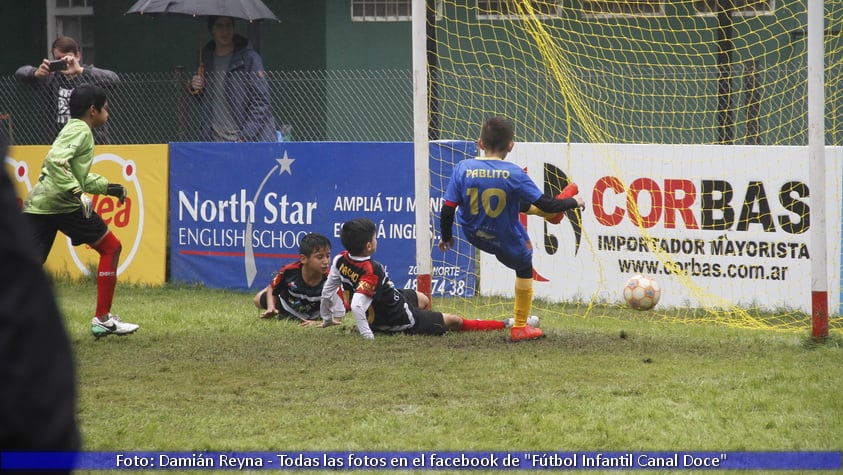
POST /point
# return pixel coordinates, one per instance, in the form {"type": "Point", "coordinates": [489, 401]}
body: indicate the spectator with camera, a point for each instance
{"type": "Point", "coordinates": [58, 77]}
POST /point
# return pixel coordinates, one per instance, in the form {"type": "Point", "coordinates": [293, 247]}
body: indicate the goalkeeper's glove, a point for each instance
{"type": "Point", "coordinates": [116, 190]}
{"type": "Point", "coordinates": [87, 205]}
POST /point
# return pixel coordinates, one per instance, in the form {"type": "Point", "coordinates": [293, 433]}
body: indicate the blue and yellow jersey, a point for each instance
{"type": "Point", "coordinates": [488, 193]}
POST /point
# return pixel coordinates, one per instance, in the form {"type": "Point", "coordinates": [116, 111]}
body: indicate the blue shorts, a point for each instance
{"type": "Point", "coordinates": [515, 253]}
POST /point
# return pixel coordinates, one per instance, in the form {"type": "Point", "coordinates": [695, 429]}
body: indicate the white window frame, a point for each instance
{"type": "Point", "coordinates": [370, 18]}
{"type": "Point", "coordinates": [742, 12]}
{"type": "Point", "coordinates": [486, 16]}
{"type": "Point", "coordinates": [356, 18]}
{"type": "Point", "coordinates": [54, 12]}
{"type": "Point", "coordinates": [659, 12]}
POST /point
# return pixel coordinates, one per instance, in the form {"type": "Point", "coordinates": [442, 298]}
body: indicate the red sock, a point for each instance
{"type": "Point", "coordinates": [109, 249]}
{"type": "Point", "coordinates": [479, 325]}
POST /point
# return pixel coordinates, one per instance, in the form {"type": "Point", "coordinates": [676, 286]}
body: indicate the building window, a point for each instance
{"type": "Point", "coordinates": [381, 10]}
{"type": "Point", "coordinates": [613, 8]}
{"type": "Point", "coordinates": [507, 9]}
{"type": "Point", "coordinates": [741, 7]}
{"type": "Point", "coordinates": [73, 18]}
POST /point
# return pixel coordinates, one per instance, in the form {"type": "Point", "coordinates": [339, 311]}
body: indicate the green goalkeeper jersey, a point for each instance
{"type": "Point", "coordinates": [65, 172]}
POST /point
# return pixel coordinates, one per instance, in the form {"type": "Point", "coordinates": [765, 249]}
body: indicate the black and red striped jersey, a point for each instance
{"type": "Point", "coordinates": [297, 298]}
{"type": "Point", "coordinates": [389, 308]}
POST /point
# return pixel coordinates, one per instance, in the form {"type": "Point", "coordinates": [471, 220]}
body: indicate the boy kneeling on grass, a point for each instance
{"type": "Point", "coordinates": [295, 292]}
{"type": "Point", "coordinates": [376, 304]}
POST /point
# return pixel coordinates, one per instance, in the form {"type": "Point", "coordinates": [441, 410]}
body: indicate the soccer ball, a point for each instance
{"type": "Point", "coordinates": [642, 292]}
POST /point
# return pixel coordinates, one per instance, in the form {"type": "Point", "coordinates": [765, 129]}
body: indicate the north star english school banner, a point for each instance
{"type": "Point", "coordinates": [140, 223]}
{"type": "Point", "coordinates": [238, 211]}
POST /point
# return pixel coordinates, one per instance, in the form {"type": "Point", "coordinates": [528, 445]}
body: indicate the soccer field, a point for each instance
{"type": "Point", "coordinates": [205, 374]}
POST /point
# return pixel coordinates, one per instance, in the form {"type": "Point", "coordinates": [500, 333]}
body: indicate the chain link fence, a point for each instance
{"type": "Point", "coordinates": [148, 108]}
{"type": "Point", "coordinates": [377, 106]}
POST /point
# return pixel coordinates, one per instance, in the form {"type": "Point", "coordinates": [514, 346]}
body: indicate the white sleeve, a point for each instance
{"type": "Point", "coordinates": [359, 304]}
{"type": "Point", "coordinates": [337, 306]}
{"type": "Point", "coordinates": [329, 289]}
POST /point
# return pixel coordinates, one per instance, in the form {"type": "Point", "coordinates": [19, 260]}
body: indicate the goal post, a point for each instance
{"type": "Point", "coordinates": [421, 150]}
{"type": "Point", "coordinates": [817, 169]}
{"type": "Point", "coordinates": [696, 132]}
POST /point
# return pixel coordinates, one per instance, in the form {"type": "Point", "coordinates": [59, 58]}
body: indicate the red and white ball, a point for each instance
{"type": "Point", "coordinates": [642, 292]}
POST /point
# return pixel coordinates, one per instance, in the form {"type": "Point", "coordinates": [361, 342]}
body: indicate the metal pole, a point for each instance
{"type": "Point", "coordinates": [725, 31]}
{"type": "Point", "coordinates": [753, 102]}
{"type": "Point", "coordinates": [421, 147]}
{"type": "Point", "coordinates": [816, 169]}
{"type": "Point", "coordinates": [433, 73]}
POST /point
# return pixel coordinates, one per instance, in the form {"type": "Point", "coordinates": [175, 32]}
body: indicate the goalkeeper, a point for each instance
{"type": "Point", "coordinates": [490, 193]}
{"type": "Point", "coordinates": [58, 201]}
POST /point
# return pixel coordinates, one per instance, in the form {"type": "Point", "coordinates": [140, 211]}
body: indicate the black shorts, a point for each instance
{"type": "Point", "coordinates": [411, 297]}
{"type": "Point", "coordinates": [75, 225]}
{"type": "Point", "coordinates": [428, 322]}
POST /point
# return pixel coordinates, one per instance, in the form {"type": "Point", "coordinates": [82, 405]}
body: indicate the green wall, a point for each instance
{"type": "Point", "coordinates": [365, 45]}
{"type": "Point", "coordinates": [22, 35]}
{"type": "Point", "coordinates": [370, 96]}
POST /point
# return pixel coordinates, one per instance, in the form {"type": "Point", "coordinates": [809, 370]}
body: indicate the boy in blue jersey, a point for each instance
{"type": "Point", "coordinates": [489, 193]}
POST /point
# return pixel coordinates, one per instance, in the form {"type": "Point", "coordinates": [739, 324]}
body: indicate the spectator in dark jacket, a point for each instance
{"type": "Point", "coordinates": [232, 85]}
{"type": "Point", "coordinates": [58, 81]}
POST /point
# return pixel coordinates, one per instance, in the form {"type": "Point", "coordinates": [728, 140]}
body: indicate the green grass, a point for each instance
{"type": "Point", "coordinates": [205, 374]}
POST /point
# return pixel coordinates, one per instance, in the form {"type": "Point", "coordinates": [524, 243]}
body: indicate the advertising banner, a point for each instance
{"type": "Point", "coordinates": [453, 273]}
{"type": "Point", "coordinates": [736, 220]}
{"type": "Point", "coordinates": [238, 211]}
{"type": "Point", "coordinates": [140, 223]}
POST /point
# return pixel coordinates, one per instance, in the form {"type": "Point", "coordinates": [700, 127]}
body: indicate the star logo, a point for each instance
{"type": "Point", "coordinates": [286, 164]}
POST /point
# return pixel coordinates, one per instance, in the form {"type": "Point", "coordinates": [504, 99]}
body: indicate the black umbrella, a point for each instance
{"type": "Point", "coordinates": [250, 10]}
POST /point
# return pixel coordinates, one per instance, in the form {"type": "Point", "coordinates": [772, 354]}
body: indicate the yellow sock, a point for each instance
{"type": "Point", "coordinates": [523, 300]}
{"type": "Point", "coordinates": [534, 210]}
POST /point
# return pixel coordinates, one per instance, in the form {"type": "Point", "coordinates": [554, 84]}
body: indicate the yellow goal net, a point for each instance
{"type": "Point", "coordinates": [684, 124]}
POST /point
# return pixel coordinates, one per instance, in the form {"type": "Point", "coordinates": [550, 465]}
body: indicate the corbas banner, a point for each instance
{"type": "Point", "coordinates": [735, 221]}
{"type": "Point", "coordinates": [239, 211]}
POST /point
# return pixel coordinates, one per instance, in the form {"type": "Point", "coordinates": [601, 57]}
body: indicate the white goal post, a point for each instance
{"type": "Point", "coordinates": [421, 114]}
{"type": "Point", "coordinates": [817, 168]}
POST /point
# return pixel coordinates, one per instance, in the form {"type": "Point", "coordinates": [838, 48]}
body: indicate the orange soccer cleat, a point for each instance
{"type": "Point", "coordinates": [525, 333]}
{"type": "Point", "coordinates": [567, 192]}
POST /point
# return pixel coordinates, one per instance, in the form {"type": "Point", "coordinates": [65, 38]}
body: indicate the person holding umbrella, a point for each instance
{"type": "Point", "coordinates": [232, 86]}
